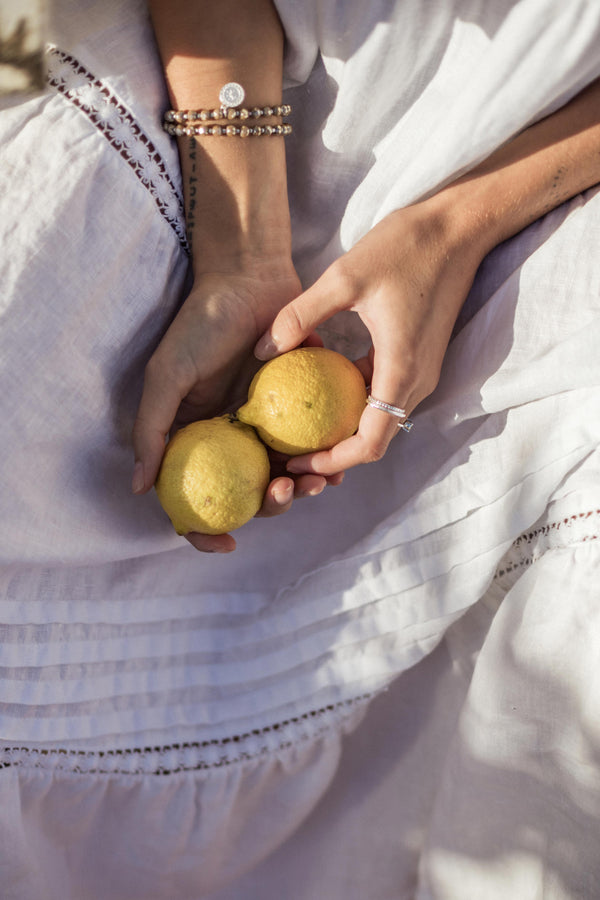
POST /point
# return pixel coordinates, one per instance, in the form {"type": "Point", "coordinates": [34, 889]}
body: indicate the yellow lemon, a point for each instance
{"type": "Point", "coordinates": [305, 400]}
{"type": "Point", "coordinates": [213, 476]}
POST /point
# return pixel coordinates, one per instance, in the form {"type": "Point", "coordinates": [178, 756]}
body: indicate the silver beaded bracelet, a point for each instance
{"type": "Point", "coordinates": [181, 116]}
{"type": "Point", "coordinates": [178, 121]}
{"type": "Point", "coordinates": [228, 130]}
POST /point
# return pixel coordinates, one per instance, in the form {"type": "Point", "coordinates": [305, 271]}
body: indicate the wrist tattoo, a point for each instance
{"type": "Point", "coordinates": [558, 192]}
{"type": "Point", "coordinates": [192, 189]}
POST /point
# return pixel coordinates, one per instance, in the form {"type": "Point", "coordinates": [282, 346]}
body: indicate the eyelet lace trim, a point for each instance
{"type": "Point", "coordinates": [186, 757]}
{"type": "Point", "coordinates": [532, 545]}
{"type": "Point", "coordinates": [114, 121]}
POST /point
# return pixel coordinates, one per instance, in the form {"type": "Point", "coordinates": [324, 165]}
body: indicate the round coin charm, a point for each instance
{"type": "Point", "coordinates": [231, 94]}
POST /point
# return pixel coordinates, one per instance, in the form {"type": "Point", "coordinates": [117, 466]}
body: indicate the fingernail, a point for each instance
{"type": "Point", "coordinates": [295, 468]}
{"type": "Point", "coordinates": [266, 348]}
{"type": "Point", "coordinates": [314, 492]}
{"type": "Point", "coordinates": [283, 495]}
{"type": "Point", "coordinates": [137, 481]}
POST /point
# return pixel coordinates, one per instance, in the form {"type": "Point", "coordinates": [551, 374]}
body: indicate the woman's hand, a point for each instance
{"type": "Point", "coordinates": [203, 366]}
{"type": "Point", "coordinates": [408, 277]}
{"type": "Point", "coordinates": [238, 227]}
{"type": "Point", "coordinates": [407, 280]}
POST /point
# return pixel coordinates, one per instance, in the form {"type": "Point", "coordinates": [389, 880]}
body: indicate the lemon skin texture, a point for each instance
{"type": "Point", "coordinates": [305, 400]}
{"type": "Point", "coordinates": [213, 476]}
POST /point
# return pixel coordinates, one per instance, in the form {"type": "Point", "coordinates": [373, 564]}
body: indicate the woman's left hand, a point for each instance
{"type": "Point", "coordinates": [407, 280]}
{"type": "Point", "coordinates": [202, 367]}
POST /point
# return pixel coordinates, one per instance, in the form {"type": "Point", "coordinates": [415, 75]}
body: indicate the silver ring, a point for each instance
{"type": "Point", "coordinates": [407, 425]}
{"type": "Point", "coordinates": [386, 407]}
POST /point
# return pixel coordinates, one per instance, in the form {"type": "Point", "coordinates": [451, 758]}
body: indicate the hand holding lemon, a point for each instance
{"type": "Point", "coordinates": [306, 400]}
{"type": "Point", "coordinates": [215, 472]}
{"type": "Point", "coordinates": [213, 476]}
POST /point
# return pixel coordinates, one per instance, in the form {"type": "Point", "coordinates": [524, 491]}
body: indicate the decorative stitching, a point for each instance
{"type": "Point", "coordinates": [533, 544]}
{"type": "Point", "coordinates": [185, 757]}
{"type": "Point", "coordinates": [116, 123]}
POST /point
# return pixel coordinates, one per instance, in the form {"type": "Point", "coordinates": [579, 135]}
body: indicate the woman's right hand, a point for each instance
{"type": "Point", "coordinates": [406, 279]}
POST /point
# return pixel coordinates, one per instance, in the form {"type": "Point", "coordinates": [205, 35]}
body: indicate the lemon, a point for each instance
{"type": "Point", "coordinates": [213, 476]}
{"type": "Point", "coordinates": [305, 400]}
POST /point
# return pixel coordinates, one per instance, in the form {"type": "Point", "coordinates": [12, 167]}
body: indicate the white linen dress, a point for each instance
{"type": "Point", "coordinates": [393, 691]}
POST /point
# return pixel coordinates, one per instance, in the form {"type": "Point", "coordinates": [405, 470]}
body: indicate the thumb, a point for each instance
{"type": "Point", "coordinates": [160, 400]}
{"type": "Point", "coordinates": [298, 319]}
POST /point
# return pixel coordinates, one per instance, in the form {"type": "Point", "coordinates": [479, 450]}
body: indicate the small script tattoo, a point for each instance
{"type": "Point", "coordinates": [192, 189]}
{"type": "Point", "coordinates": [557, 191]}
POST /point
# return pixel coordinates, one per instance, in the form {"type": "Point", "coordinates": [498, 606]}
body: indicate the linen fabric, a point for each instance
{"type": "Point", "coordinates": [387, 662]}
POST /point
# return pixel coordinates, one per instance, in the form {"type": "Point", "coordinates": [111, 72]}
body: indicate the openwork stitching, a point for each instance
{"type": "Point", "coordinates": [532, 545]}
{"type": "Point", "coordinates": [116, 123]}
{"type": "Point", "coordinates": [185, 757]}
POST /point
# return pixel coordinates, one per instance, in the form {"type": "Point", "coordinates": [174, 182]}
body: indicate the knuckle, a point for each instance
{"type": "Point", "coordinates": [430, 383]}
{"type": "Point", "coordinates": [153, 371]}
{"type": "Point", "coordinates": [415, 383]}
{"type": "Point", "coordinates": [143, 432]}
{"type": "Point", "coordinates": [375, 450]}
{"type": "Point", "coordinates": [344, 281]}
{"type": "Point", "coordinates": [293, 318]}
{"type": "Point", "coordinates": [163, 371]}
{"type": "Point", "coordinates": [410, 374]}
{"type": "Point", "coordinates": [137, 429]}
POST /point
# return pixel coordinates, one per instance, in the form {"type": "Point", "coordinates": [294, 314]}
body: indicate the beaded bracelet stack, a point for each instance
{"type": "Point", "coordinates": [190, 122]}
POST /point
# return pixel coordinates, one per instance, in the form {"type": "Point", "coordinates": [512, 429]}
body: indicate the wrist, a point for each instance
{"type": "Point", "coordinates": [261, 247]}
{"type": "Point", "coordinates": [249, 299]}
{"type": "Point", "coordinates": [236, 202]}
{"type": "Point", "coordinates": [470, 217]}
{"type": "Point", "coordinates": [453, 225]}
{"type": "Point", "coordinates": [234, 187]}
{"type": "Point", "coordinates": [536, 171]}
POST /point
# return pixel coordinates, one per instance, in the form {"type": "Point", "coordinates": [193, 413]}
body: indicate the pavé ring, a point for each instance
{"type": "Point", "coordinates": [392, 410]}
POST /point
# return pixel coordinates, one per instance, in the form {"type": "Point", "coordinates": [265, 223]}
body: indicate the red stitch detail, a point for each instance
{"type": "Point", "coordinates": [171, 208]}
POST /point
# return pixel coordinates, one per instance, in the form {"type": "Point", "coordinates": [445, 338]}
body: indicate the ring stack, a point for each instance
{"type": "Point", "coordinates": [397, 411]}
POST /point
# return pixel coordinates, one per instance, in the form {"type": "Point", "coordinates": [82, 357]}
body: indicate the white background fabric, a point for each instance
{"type": "Point", "coordinates": [124, 653]}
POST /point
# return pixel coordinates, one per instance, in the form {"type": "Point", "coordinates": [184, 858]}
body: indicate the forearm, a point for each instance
{"type": "Point", "coordinates": [235, 188]}
{"type": "Point", "coordinates": [547, 164]}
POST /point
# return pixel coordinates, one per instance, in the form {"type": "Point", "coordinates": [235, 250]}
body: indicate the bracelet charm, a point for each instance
{"type": "Point", "coordinates": [231, 94]}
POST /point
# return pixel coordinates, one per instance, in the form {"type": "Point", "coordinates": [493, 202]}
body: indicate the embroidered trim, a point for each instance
{"type": "Point", "coordinates": [114, 121]}
{"type": "Point", "coordinates": [532, 545]}
{"type": "Point", "coordinates": [186, 757]}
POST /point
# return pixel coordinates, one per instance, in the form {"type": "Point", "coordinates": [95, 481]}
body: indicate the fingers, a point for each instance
{"type": "Point", "coordinates": [278, 499]}
{"type": "Point", "coordinates": [389, 382]}
{"type": "Point", "coordinates": [160, 401]}
{"type": "Point", "coordinates": [211, 543]}
{"type": "Point", "coordinates": [297, 321]}
{"type": "Point", "coordinates": [314, 339]}
{"type": "Point", "coordinates": [390, 373]}
{"type": "Point", "coordinates": [282, 492]}
{"type": "Point", "coordinates": [368, 445]}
